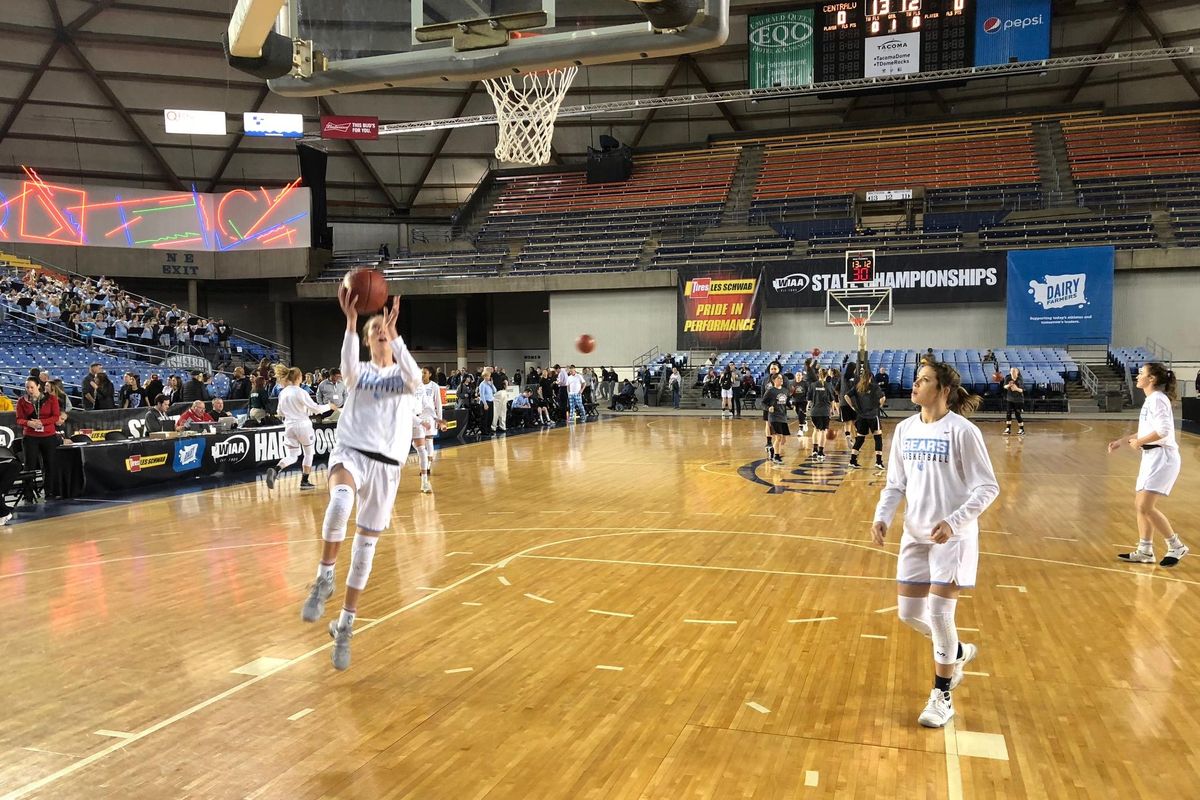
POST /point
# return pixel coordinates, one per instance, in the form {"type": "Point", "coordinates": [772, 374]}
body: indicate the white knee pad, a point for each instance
{"type": "Point", "coordinates": [289, 458]}
{"type": "Point", "coordinates": [423, 457]}
{"type": "Point", "coordinates": [361, 556]}
{"type": "Point", "coordinates": [914, 612]}
{"type": "Point", "coordinates": [945, 635]}
{"type": "Point", "coordinates": [307, 450]}
{"type": "Point", "coordinates": [429, 448]}
{"type": "Point", "coordinates": [341, 500]}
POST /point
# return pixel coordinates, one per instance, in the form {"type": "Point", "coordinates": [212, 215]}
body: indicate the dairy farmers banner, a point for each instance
{"type": "Point", "coordinates": [1060, 297]}
{"type": "Point", "coordinates": [913, 279]}
{"type": "Point", "coordinates": [720, 309]}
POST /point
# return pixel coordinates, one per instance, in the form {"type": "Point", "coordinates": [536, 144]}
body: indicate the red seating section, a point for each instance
{"type": "Point", "coordinates": [1146, 144]}
{"type": "Point", "coordinates": [668, 179]}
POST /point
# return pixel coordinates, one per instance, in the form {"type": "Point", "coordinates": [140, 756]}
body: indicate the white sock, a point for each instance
{"type": "Point", "coordinates": [1174, 542]}
{"type": "Point", "coordinates": [324, 571]}
{"type": "Point", "coordinates": [346, 619]}
{"type": "Point", "coordinates": [1148, 546]}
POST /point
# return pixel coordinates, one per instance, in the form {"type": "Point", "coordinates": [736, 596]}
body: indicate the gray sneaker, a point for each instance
{"type": "Point", "coordinates": [341, 645]}
{"type": "Point", "coordinates": [318, 593]}
{"type": "Point", "coordinates": [271, 475]}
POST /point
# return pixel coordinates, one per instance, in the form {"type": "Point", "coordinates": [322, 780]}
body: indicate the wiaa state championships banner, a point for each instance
{"type": "Point", "coordinates": [913, 279]}
{"type": "Point", "coordinates": [720, 309]}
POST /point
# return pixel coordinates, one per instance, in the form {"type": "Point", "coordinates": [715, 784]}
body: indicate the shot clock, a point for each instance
{"type": "Point", "coordinates": [860, 268]}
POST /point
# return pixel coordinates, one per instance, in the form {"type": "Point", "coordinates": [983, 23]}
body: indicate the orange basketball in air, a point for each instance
{"type": "Point", "coordinates": [585, 343]}
{"type": "Point", "coordinates": [369, 287]}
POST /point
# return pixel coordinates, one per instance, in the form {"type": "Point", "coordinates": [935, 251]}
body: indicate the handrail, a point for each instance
{"type": "Point", "coordinates": [1154, 348]}
{"type": "Point", "coordinates": [283, 351]}
{"type": "Point", "coordinates": [64, 335]}
{"type": "Point", "coordinates": [645, 357]}
{"type": "Point", "coordinates": [1089, 380]}
{"type": "Point", "coordinates": [1129, 387]}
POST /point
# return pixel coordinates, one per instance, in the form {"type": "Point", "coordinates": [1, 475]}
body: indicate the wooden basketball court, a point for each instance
{"type": "Point", "coordinates": [632, 609]}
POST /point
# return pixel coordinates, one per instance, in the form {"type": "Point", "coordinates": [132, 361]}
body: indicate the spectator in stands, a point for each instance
{"type": "Point", "coordinates": [194, 389]}
{"type": "Point", "coordinates": [989, 356]}
{"type": "Point", "coordinates": [676, 386]}
{"type": "Point", "coordinates": [439, 377]}
{"type": "Point", "coordinates": [522, 409]}
{"type": "Point", "coordinates": [131, 392]}
{"type": "Point", "coordinates": [239, 385]}
{"type": "Point", "coordinates": [156, 419]}
{"type": "Point", "coordinates": [106, 393]}
{"type": "Point", "coordinates": [575, 384]}
{"type": "Point", "coordinates": [308, 385]}
{"type": "Point", "coordinates": [881, 378]}
{"type": "Point", "coordinates": [65, 406]}
{"type": "Point", "coordinates": [487, 396]}
{"type": "Point", "coordinates": [37, 417]}
{"type": "Point", "coordinates": [88, 389]}
{"type": "Point", "coordinates": [258, 401]}
{"type": "Point", "coordinates": [194, 414]}
{"type": "Point", "coordinates": [223, 333]}
{"type": "Point", "coordinates": [174, 389]}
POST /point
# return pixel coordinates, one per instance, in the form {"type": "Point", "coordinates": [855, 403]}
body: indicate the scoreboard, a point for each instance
{"type": "Point", "coordinates": [902, 35]}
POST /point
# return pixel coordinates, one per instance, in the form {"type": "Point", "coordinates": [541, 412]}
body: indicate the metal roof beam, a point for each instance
{"type": "Point", "coordinates": [1150, 25]}
{"type": "Point", "coordinates": [728, 114]}
{"type": "Point", "coordinates": [441, 145]}
{"type": "Point", "coordinates": [666, 88]}
{"type": "Point", "coordinates": [1105, 43]}
{"type": "Point", "coordinates": [263, 93]}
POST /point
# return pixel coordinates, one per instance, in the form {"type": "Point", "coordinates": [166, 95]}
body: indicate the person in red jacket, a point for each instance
{"type": "Point", "coordinates": [37, 414]}
{"type": "Point", "coordinates": [194, 414]}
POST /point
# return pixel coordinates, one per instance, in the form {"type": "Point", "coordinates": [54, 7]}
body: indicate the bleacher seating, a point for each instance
{"type": "Point", "coordinates": [545, 255]}
{"type": "Point", "coordinates": [1124, 231]}
{"type": "Point", "coordinates": [904, 241]}
{"type": "Point", "coordinates": [21, 351]}
{"type": "Point", "coordinates": [1135, 159]}
{"type": "Point", "coordinates": [819, 173]}
{"type": "Point", "coordinates": [1129, 359]}
{"type": "Point", "coordinates": [1185, 223]}
{"type": "Point", "coordinates": [740, 249]}
{"type": "Point", "coordinates": [448, 264]}
{"type": "Point", "coordinates": [1046, 369]}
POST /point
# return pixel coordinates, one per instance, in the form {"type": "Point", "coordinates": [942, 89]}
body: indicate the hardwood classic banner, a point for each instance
{"type": "Point", "coordinates": [720, 309]}
{"type": "Point", "coordinates": [913, 279]}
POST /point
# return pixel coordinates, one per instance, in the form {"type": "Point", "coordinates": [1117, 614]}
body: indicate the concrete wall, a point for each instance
{"type": "Point", "coordinates": [1160, 304]}
{"type": "Point", "coordinates": [625, 324]}
{"type": "Point", "coordinates": [914, 327]}
{"type": "Point", "coordinates": [173, 265]}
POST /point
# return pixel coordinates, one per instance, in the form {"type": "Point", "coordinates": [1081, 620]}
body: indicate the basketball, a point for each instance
{"type": "Point", "coordinates": [585, 343]}
{"type": "Point", "coordinates": [816, 352]}
{"type": "Point", "coordinates": [369, 287]}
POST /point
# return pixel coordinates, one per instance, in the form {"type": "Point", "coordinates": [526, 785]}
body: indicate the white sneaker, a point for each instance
{"type": "Point", "coordinates": [969, 653]}
{"type": "Point", "coordinates": [1171, 559]}
{"type": "Point", "coordinates": [938, 711]}
{"type": "Point", "coordinates": [1139, 556]}
{"type": "Point", "coordinates": [425, 486]}
{"type": "Point", "coordinates": [5, 520]}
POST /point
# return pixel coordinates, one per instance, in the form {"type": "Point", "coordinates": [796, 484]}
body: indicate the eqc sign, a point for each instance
{"type": "Point", "coordinates": [914, 280]}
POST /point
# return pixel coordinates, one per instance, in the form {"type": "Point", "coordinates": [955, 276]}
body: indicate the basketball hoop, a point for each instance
{"type": "Point", "coordinates": [860, 330]}
{"type": "Point", "coordinates": [525, 111]}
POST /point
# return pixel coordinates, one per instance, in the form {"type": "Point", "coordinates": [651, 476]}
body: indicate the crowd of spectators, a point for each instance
{"type": "Point", "coordinates": [96, 312]}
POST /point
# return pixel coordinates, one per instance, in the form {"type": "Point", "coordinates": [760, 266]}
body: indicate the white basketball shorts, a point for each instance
{"type": "Point", "coordinates": [1160, 468]}
{"type": "Point", "coordinates": [727, 394]}
{"type": "Point", "coordinates": [376, 484]}
{"type": "Point", "coordinates": [952, 563]}
{"type": "Point", "coordinates": [297, 436]}
{"type": "Point", "coordinates": [423, 428]}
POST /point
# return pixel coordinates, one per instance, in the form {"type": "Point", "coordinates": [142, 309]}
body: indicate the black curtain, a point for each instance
{"type": "Point", "coordinates": [312, 172]}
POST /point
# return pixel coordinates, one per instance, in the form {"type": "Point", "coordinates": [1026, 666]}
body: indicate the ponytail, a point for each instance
{"type": "Point", "coordinates": [960, 401]}
{"type": "Point", "coordinates": [1164, 379]}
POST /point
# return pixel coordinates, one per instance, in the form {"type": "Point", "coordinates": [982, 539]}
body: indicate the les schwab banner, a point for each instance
{"type": "Point", "coordinates": [720, 309]}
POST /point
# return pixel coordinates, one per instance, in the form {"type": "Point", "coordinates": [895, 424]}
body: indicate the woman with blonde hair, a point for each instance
{"type": "Point", "coordinates": [374, 435]}
{"type": "Point", "coordinates": [296, 407]}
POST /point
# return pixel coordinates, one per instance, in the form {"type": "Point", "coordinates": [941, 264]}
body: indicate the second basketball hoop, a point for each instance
{"type": "Point", "coordinates": [862, 301]}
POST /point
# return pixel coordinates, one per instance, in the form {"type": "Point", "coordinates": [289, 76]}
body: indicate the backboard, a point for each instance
{"type": "Point", "coordinates": [379, 44]}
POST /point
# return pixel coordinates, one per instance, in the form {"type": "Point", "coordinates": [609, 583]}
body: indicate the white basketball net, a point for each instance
{"type": "Point", "coordinates": [526, 112]}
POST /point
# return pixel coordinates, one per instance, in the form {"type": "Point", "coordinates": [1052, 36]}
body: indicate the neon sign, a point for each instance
{"type": "Point", "coordinates": [35, 211]}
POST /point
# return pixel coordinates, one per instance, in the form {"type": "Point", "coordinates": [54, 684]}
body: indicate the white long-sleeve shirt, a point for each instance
{"type": "Point", "coordinates": [380, 403]}
{"type": "Point", "coordinates": [1157, 417]}
{"type": "Point", "coordinates": [429, 400]}
{"type": "Point", "coordinates": [295, 406]}
{"type": "Point", "coordinates": [943, 472]}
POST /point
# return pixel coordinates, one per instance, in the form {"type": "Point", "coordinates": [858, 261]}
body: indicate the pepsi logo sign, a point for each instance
{"type": "Point", "coordinates": [997, 25]}
{"type": "Point", "coordinates": [991, 25]}
{"type": "Point", "coordinates": [784, 33]}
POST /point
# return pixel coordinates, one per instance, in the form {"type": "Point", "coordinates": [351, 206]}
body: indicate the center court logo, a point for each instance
{"type": "Point", "coordinates": [823, 478]}
{"type": "Point", "coordinates": [785, 33]}
{"type": "Point", "coordinates": [1060, 291]}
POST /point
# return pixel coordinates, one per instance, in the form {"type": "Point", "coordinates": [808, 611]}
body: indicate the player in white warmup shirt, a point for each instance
{"type": "Point", "coordinates": [940, 467]}
{"type": "Point", "coordinates": [426, 423]}
{"type": "Point", "coordinates": [374, 434]}
{"type": "Point", "coordinates": [296, 408]}
{"type": "Point", "coordinates": [1155, 439]}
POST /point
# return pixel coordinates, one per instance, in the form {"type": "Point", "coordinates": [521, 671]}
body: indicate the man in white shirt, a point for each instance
{"type": "Point", "coordinates": [574, 383]}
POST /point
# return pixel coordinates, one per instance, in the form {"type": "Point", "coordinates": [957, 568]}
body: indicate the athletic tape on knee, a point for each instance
{"type": "Point", "coordinates": [945, 635]}
{"type": "Point", "coordinates": [914, 612]}
{"type": "Point", "coordinates": [422, 456]}
{"type": "Point", "coordinates": [341, 500]}
{"type": "Point", "coordinates": [361, 556]}
{"type": "Point", "coordinates": [308, 451]}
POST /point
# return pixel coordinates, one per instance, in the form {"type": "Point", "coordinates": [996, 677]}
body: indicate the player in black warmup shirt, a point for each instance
{"type": "Point", "coordinates": [1014, 392]}
{"type": "Point", "coordinates": [775, 403]}
{"type": "Point", "coordinates": [867, 399]}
